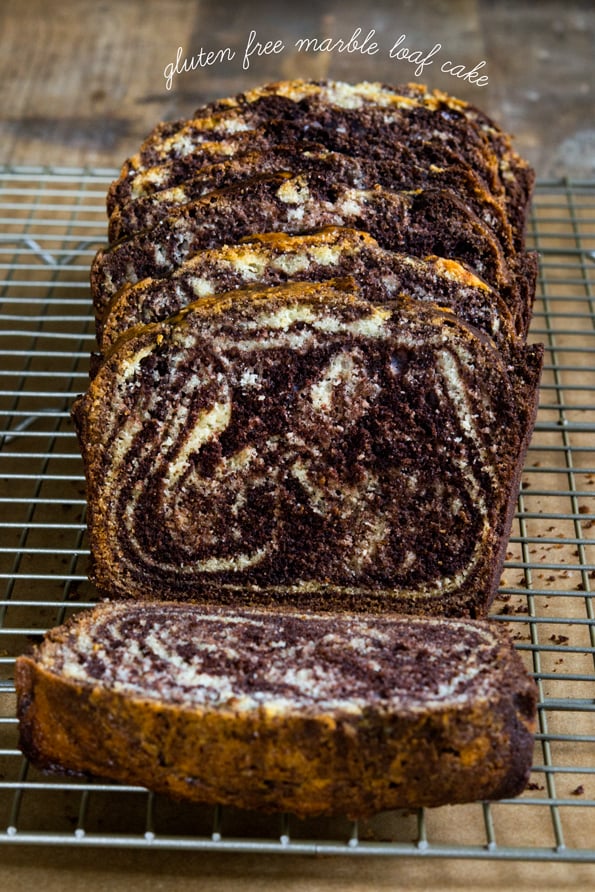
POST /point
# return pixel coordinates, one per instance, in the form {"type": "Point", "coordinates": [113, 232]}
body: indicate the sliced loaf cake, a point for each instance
{"type": "Point", "coordinates": [302, 445]}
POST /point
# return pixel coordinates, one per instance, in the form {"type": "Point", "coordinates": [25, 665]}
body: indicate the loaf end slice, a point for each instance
{"type": "Point", "coordinates": [310, 714]}
{"type": "Point", "coordinates": [299, 445]}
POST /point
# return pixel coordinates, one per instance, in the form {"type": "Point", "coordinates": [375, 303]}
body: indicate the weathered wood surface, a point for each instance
{"type": "Point", "coordinates": [83, 82]}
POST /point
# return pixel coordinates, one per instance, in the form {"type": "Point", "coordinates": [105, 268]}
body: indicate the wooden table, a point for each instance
{"type": "Point", "coordinates": [83, 82]}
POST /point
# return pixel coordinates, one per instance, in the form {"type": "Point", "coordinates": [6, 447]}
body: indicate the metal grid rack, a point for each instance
{"type": "Point", "coordinates": [52, 222]}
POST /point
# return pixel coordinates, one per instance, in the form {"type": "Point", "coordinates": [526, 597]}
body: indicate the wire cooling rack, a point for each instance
{"type": "Point", "coordinates": [52, 221]}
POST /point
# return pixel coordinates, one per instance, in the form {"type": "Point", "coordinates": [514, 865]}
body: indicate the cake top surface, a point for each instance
{"type": "Point", "coordinates": [253, 659]}
{"type": "Point", "coordinates": [225, 114]}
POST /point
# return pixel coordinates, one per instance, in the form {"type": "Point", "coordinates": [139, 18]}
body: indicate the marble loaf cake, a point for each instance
{"type": "Point", "coordinates": [314, 385]}
{"type": "Point", "coordinates": [303, 438]}
{"type": "Point", "coordinates": [312, 714]}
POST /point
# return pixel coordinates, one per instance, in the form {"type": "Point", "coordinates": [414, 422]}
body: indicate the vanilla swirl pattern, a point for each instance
{"type": "Point", "coordinates": [205, 656]}
{"type": "Point", "coordinates": [301, 443]}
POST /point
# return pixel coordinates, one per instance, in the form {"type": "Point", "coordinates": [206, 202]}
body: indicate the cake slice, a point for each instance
{"type": "Point", "coordinates": [365, 118]}
{"type": "Point", "coordinates": [275, 258]}
{"type": "Point", "coordinates": [272, 136]}
{"type": "Point", "coordinates": [420, 222]}
{"type": "Point", "coordinates": [298, 445]}
{"type": "Point", "coordinates": [401, 173]}
{"type": "Point", "coordinates": [310, 714]}
{"type": "Point", "coordinates": [289, 98]}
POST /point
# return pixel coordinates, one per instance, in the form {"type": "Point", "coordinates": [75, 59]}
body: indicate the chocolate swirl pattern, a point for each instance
{"type": "Point", "coordinates": [275, 258]}
{"type": "Point", "coordinates": [403, 172]}
{"type": "Point", "coordinates": [301, 444]}
{"type": "Point", "coordinates": [204, 657]}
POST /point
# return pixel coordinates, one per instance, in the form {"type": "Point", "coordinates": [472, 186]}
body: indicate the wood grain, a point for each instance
{"type": "Point", "coordinates": [83, 81]}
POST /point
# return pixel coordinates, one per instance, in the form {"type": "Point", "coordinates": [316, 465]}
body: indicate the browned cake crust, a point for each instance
{"type": "Point", "coordinates": [281, 712]}
{"type": "Point", "coordinates": [300, 443]}
{"type": "Point", "coordinates": [276, 258]}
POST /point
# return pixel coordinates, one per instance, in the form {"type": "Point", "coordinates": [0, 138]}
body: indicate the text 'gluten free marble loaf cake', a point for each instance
{"type": "Point", "coordinates": [314, 393]}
